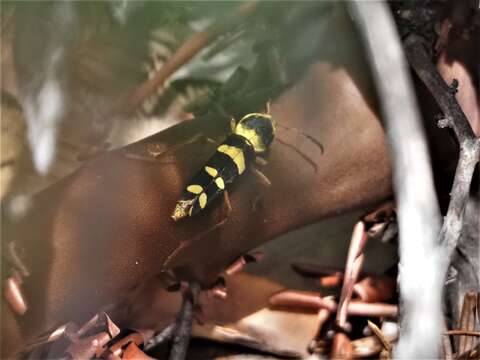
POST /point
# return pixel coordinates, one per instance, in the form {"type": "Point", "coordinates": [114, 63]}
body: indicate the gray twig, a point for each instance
{"type": "Point", "coordinates": [181, 339]}
{"type": "Point", "coordinates": [418, 212]}
{"type": "Point", "coordinates": [162, 337]}
{"type": "Point", "coordinates": [469, 144]}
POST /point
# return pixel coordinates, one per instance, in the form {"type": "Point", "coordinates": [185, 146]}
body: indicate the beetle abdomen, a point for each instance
{"type": "Point", "coordinates": [229, 161]}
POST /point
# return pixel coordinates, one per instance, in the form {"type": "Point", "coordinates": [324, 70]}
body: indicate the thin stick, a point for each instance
{"type": "Point", "coordinates": [311, 300]}
{"type": "Point", "coordinates": [162, 337]}
{"type": "Point", "coordinates": [418, 212]}
{"type": "Point", "coordinates": [352, 270]}
{"type": "Point", "coordinates": [183, 329]}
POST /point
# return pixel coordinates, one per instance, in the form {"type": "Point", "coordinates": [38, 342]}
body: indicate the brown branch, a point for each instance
{"type": "Point", "coordinates": [301, 299]}
{"type": "Point", "coordinates": [469, 144]}
{"type": "Point", "coordinates": [185, 53]}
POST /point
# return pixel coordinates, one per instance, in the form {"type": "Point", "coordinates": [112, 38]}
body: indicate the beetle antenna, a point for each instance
{"type": "Point", "coordinates": [309, 137]}
{"type": "Point", "coordinates": [302, 155]}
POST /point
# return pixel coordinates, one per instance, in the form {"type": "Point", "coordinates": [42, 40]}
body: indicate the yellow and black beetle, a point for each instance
{"type": "Point", "coordinates": [252, 136]}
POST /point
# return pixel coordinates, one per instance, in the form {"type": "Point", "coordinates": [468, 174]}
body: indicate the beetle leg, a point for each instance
{"type": "Point", "coordinates": [226, 199]}
{"type": "Point", "coordinates": [260, 161]}
{"type": "Point", "coordinates": [264, 180]}
{"type": "Point", "coordinates": [210, 140]}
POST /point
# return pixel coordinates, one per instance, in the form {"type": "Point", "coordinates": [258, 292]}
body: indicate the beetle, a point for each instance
{"type": "Point", "coordinates": [250, 138]}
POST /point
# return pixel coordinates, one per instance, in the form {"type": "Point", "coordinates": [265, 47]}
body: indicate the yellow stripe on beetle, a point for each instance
{"type": "Point", "coordinates": [195, 189]}
{"type": "Point", "coordinates": [211, 171]}
{"type": "Point", "coordinates": [250, 137]}
{"type": "Point", "coordinates": [235, 154]}
{"type": "Point", "coordinates": [220, 183]}
{"type": "Point", "coordinates": [202, 200]}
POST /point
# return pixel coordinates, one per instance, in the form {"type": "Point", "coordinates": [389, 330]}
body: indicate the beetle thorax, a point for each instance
{"type": "Point", "coordinates": [258, 129]}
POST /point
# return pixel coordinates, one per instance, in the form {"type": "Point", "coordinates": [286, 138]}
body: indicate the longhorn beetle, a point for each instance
{"type": "Point", "coordinates": [252, 136]}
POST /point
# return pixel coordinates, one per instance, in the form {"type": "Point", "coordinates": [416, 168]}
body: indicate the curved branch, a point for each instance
{"type": "Point", "coordinates": [469, 144]}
